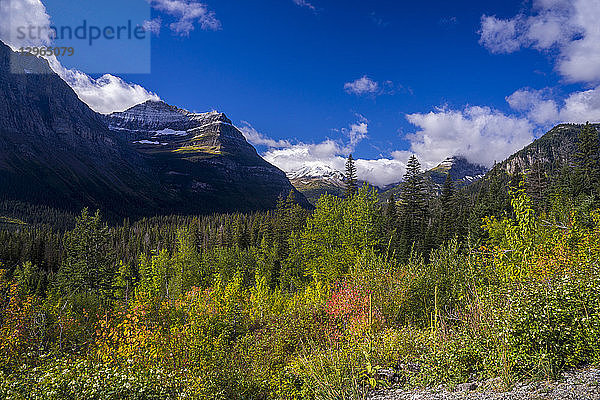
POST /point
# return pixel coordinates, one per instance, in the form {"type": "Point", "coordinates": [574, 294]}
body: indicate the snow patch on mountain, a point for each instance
{"type": "Point", "coordinates": [170, 132]}
{"type": "Point", "coordinates": [317, 171]}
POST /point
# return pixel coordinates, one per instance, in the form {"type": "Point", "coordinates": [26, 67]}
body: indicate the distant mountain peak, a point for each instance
{"type": "Point", "coordinates": [316, 171]}
{"type": "Point", "coordinates": [460, 169]}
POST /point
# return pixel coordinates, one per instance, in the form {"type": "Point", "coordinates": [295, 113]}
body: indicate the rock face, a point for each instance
{"type": "Point", "coordinates": [557, 147]}
{"type": "Point", "coordinates": [152, 159]}
{"type": "Point", "coordinates": [55, 150]}
{"type": "Point", "coordinates": [462, 172]}
{"type": "Point", "coordinates": [202, 159]}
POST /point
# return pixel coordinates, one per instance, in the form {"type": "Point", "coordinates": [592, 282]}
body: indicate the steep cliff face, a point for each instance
{"type": "Point", "coordinates": [55, 150]}
{"type": "Point", "coordinates": [557, 147]}
{"type": "Point", "coordinates": [151, 159]}
{"type": "Point", "coordinates": [155, 123]}
{"type": "Point", "coordinates": [202, 157]}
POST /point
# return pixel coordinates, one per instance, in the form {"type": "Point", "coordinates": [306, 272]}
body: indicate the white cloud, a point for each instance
{"type": "Point", "coordinates": [106, 94]}
{"type": "Point", "coordinates": [498, 35]}
{"type": "Point", "coordinates": [333, 154]}
{"type": "Point", "coordinates": [382, 171]}
{"type": "Point", "coordinates": [328, 154]}
{"type": "Point", "coordinates": [153, 25]}
{"type": "Point", "coordinates": [304, 3]}
{"type": "Point", "coordinates": [538, 105]}
{"type": "Point", "coordinates": [582, 107]}
{"type": "Point", "coordinates": [361, 86]}
{"type": "Point", "coordinates": [24, 13]}
{"type": "Point", "coordinates": [188, 13]}
{"type": "Point", "coordinates": [570, 26]}
{"type": "Point", "coordinates": [358, 130]}
{"type": "Point", "coordinates": [480, 134]}
{"type": "Point", "coordinates": [258, 139]}
{"type": "Point", "coordinates": [542, 108]}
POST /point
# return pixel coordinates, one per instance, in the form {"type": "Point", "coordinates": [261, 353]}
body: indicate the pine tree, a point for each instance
{"type": "Point", "coordinates": [351, 179]}
{"type": "Point", "coordinates": [587, 161]}
{"type": "Point", "coordinates": [517, 177]}
{"type": "Point", "coordinates": [391, 222]}
{"type": "Point", "coordinates": [413, 207]}
{"type": "Point", "coordinates": [89, 264]}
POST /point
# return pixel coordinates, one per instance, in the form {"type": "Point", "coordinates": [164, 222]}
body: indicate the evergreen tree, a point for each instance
{"type": "Point", "coordinates": [89, 264]}
{"type": "Point", "coordinates": [587, 161]}
{"type": "Point", "coordinates": [391, 214]}
{"type": "Point", "coordinates": [493, 199]}
{"type": "Point", "coordinates": [351, 179]}
{"type": "Point", "coordinates": [413, 207]}
{"type": "Point", "coordinates": [516, 178]}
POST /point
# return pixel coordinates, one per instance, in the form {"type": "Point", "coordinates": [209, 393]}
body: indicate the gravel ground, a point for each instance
{"type": "Point", "coordinates": [582, 384]}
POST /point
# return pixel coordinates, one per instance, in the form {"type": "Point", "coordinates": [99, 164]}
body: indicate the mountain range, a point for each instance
{"type": "Point", "coordinates": [316, 180]}
{"type": "Point", "coordinates": [151, 159]}
{"type": "Point", "coordinates": [155, 158]}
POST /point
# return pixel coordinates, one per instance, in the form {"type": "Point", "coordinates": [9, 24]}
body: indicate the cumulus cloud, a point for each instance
{"type": "Point", "coordinates": [188, 13]}
{"type": "Point", "coordinates": [499, 35]}
{"type": "Point", "coordinates": [24, 13]}
{"type": "Point", "coordinates": [333, 154]}
{"type": "Point", "coordinates": [358, 130]}
{"type": "Point", "coordinates": [361, 86]}
{"type": "Point", "coordinates": [305, 3]}
{"type": "Point", "coordinates": [537, 104]}
{"type": "Point", "coordinates": [582, 107]}
{"type": "Point", "coordinates": [367, 86]}
{"type": "Point", "coordinates": [541, 107]}
{"type": "Point", "coordinates": [481, 134]}
{"type": "Point", "coordinates": [327, 154]}
{"type": "Point", "coordinates": [382, 171]}
{"type": "Point", "coordinates": [569, 26]}
{"type": "Point", "coordinates": [106, 94]}
{"type": "Point", "coordinates": [259, 139]}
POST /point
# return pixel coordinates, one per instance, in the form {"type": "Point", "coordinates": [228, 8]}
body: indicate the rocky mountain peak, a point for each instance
{"type": "Point", "coordinates": [158, 115]}
{"type": "Point", "coordinates": [157, 126]}
{"type": "Point", "coordinates": [460, 170]}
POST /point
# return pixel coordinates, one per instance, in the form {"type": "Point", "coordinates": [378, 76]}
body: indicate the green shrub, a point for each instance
{"type": "Point", "coordinates": [554, 325]}
{"type": "Point", "coordinates": [63, 379]}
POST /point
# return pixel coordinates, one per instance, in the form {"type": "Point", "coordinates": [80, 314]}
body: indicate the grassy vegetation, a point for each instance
{"type": "Point", "coordinates": [234, 323]}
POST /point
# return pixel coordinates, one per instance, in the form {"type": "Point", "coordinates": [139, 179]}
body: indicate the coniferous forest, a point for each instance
{"type": "Point", "coordinates": [497, 279]}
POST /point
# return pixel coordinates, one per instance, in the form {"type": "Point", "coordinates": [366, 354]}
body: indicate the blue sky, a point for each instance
{"type": "Point", "coordinates": [283, 68]}
{"type": "Point", "coordinates": [309, 81]}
